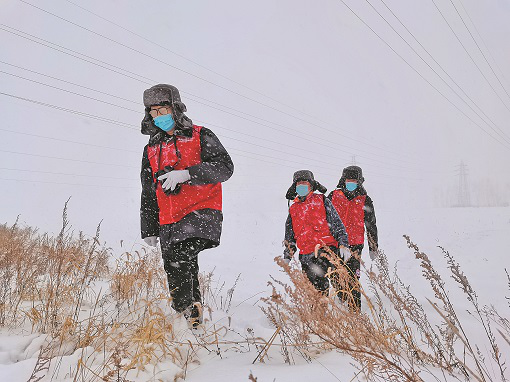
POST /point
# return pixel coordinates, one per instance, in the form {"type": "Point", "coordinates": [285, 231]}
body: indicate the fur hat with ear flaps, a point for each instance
{"type": "Point", "coordinates": [159, 95]}
{"type": "Point", "coordinates": [351, 172]}
{"type": "Point", "coordinates": [304, 176]}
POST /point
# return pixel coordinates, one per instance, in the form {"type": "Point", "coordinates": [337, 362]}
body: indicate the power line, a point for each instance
{"type": "Point", "coordinates": [483, 41]}
{"type": "Point", "coordinates": [69, 91]}
{"type": "Point", "coordinates": [68, 184]}
{"type": "Point", "coordinates": [306, 164]}
{"type": "Point", "coordinates": [59, 48]}
{"type": "Point", "coordinates": [89, 58]}
{"type": "Point", "coordinates": [417, 72]}
{"type": "Point", "coordinates": [204, 67]}
{"type": "Point", "coordinates": [96, 117]}
{"type": "Point", "coordinates": [173, 66]}
{"type": "Point", "coordinates": [67, 141]}
{"type": "Point", "coordinates": [67, 174]}
{"type": "Point", "coordinates": [132, 151]}
{"type": "Point", "coordinates": [470, 56]}
{"type": "Point", "coordinates": [502, 134]}
{"type": "Point", "coordinates": [117, 165]}
{"type": "Point", "coordinates": [183, 57]}
{"type": "Point", "coordinates": [65, 159]}
{"type": "Point", "coordinates": [98, 100]}
{"type": "Point", "coordinates": [195, 76]}
{"type": "Point", "coordinates": [91, 116]}
{"type": "Point", "coordinates": [68, 82]}
{"type": "Point", "coordinates": [478, 46]}
{"type": "Point", "coordinates": [264, 156]}
{"type": "Point", "coordinates": [435, 88]}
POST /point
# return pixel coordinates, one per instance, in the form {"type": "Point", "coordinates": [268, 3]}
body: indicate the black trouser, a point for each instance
{"type": "Point", "coordinates": [316, 268]}
{"type": "Point", "coordinates": [353, 294]}
{"type": "Point", "coordinates": [180, 261]}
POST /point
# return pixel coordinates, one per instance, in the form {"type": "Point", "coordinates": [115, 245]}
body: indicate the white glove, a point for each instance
{"type": "Point", "coordinates": [173, 178]}
{"type": "Point", "coordinates": [373, 255]}
{"type": "Point", "coordinates": [151, 240]}
{"type": "Point", "coordinates": [345, 253]}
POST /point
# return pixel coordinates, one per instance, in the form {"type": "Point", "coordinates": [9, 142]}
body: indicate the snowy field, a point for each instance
{"type": "Point", "coordinates": [474, 236]}
{"type": "Point", "coordinates": [406, 90]}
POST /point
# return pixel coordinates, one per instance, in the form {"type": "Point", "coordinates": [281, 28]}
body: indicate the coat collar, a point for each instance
{"type": "Point", "coordinates": [160, 136]}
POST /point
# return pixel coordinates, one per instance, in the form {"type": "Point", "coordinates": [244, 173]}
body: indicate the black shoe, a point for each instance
{"type": "Point", "coordinates": [194, 315]}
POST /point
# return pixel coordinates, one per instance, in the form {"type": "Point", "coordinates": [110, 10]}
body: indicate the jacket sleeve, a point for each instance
{"type": "Point", "coordinates": [336, 226]}
{"type": "Point", "coordinates": [149, 210]}
{"type": "Point", "coordinates": [290, 240]}
{"type": "Point", "coordinates": [216, 166]}
{"type": "Point", "coordinates": [370, 224]}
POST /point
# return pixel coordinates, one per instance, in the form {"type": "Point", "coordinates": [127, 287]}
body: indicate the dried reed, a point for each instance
{"type": "Point", "coordinates": [392, 339]}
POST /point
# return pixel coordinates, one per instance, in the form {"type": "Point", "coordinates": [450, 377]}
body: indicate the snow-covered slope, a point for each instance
{"type": "Point", "coordinates": [308, 86]}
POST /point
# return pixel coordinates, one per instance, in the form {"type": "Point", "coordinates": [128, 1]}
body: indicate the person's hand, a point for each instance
{"type": "Point", "coordinates": [373, 255]}
{"type": "Point", "coordinates": [173, 178]}
{"type": "Point", "coordinates": [151, 240]}
{"type": "Point", "coordinates": [345, 253]}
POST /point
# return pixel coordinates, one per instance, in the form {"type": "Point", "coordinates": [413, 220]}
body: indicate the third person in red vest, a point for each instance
{"type": "Point", "coordinates": [356, 210]}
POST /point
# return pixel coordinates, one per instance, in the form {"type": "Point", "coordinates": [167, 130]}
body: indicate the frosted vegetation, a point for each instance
{"type": "Point", "coordinates": [82, 314]}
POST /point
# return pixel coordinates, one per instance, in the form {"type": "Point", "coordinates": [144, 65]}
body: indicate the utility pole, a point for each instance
{"type": "Point", "coordinates": [464, 198]}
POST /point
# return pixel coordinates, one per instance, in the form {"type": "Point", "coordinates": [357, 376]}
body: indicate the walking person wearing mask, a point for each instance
{"type": "Point", "coordinates": [356, 210]}
{"type": "Point", "coordinates": [313, 221]}
{"type": "Point", "coordinates": [183, 166]}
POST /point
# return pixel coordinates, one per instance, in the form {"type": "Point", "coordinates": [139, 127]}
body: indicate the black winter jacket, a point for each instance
{"type": "Point", "coordinates": [336, 227]}
{"type": "Point", "coordinates": [370, 221]}
{"type": "Point", "coordinates": [216, 167]}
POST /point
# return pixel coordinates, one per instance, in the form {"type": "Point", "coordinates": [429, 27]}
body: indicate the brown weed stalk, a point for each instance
{"type": "Point", "coordinates": [392, 339]}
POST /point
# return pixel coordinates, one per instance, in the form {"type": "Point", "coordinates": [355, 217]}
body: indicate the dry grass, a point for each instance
{"type": "Point", "coordinates": [392, 339]}
{"type": "Point", "coordinates": [111, 318]}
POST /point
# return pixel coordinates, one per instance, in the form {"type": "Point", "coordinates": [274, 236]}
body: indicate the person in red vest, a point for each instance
{"type": "Point", "coordinates": [183, 166]}
{"type": "Point", "coordinates": [356, 210]}
{"type": "Point", "coordinates": [313, 221]}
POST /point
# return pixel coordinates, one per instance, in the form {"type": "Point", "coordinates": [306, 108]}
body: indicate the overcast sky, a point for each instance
{"type": "Point", "coordinates": [286, 85]}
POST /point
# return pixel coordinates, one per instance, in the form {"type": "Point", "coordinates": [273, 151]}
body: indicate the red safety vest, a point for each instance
{"type": "Point", "coordinates": [310, 224]}
{"type": "Point", "coordinates": [173, 208]}
{"type": "Point", "coordinates": [352, 213]}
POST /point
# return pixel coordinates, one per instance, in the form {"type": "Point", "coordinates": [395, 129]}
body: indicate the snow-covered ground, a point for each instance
{"type": "Point", "coordinates": [285, 85]}
{"type": "Point", "coordinates": [474, 236]}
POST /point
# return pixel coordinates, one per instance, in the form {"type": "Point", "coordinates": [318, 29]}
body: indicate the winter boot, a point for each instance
{"type": "Point", "coordinates": [194, 315]}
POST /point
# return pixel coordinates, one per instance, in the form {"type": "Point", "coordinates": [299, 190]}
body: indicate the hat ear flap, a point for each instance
{"type": "Point", "coordinates": [319, 187]}
{"type": "Point", "coordinates": [181, 107]}
{"type": "Point", "coordinates": [147, 124]}
{"type": "Point", "coordinates": [291, 192]}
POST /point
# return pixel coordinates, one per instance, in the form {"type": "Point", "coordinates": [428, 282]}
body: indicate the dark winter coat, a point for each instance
{"type": "Point", "coordinates": [369, 212]}
{"type": "Point", "coordinates": [216, 167]}
{"type": "Point", "coordinates": [335, 226]}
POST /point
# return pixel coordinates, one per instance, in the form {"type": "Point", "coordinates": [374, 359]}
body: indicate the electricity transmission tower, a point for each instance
{"type": "Point", "coordinates": [464, 198]}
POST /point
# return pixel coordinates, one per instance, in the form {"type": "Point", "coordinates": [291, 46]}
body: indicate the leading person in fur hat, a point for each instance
{"type": "Point", "coordinates": [183, 166]}
{"type": "Point", "coordinates": [313, 221]}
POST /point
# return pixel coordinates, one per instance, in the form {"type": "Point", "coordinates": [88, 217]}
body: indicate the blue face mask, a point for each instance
{"type": "Point", "coordinates": [165, 122]}
{"type": "Point", "coordinates": [351, 186]}
{"type": "Point", "coordinates": [302, 189]}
